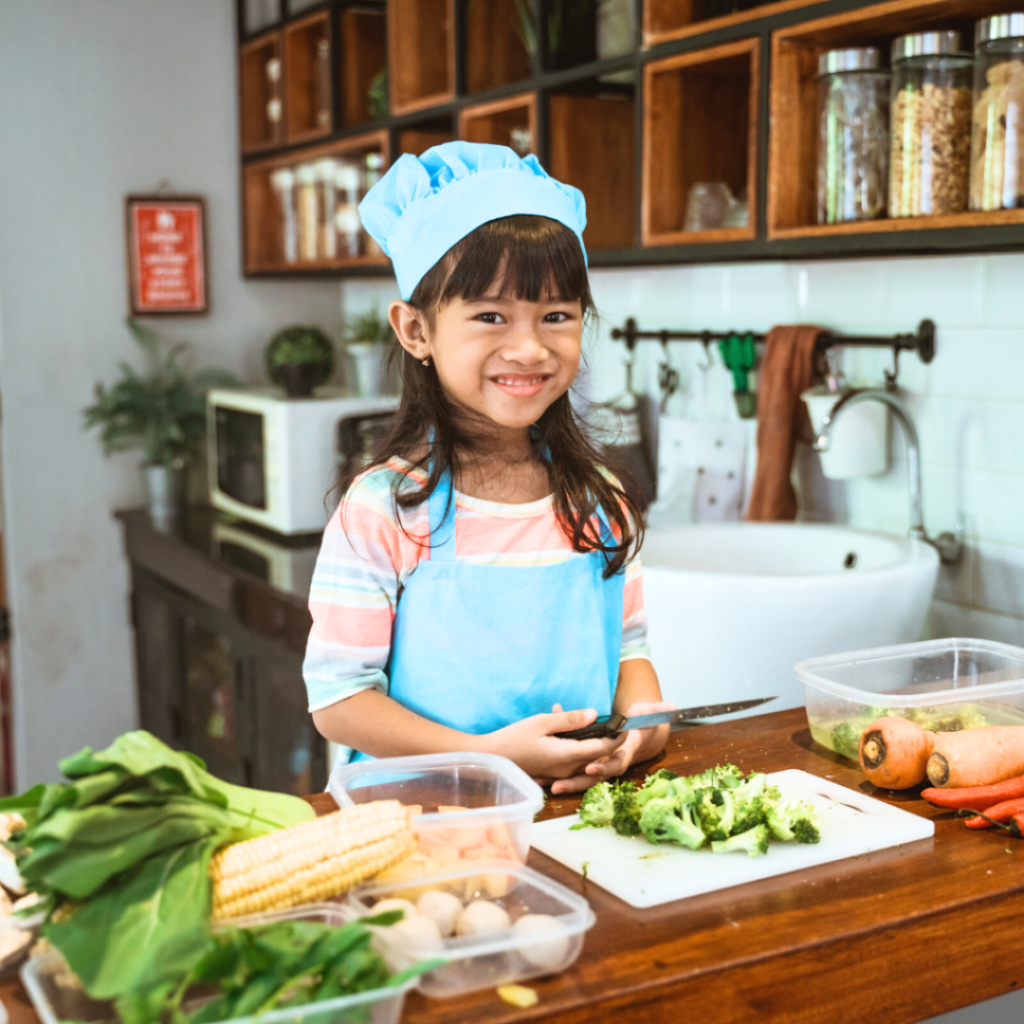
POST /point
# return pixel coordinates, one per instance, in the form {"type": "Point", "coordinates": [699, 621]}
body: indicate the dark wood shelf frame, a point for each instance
{"type": "Point", "coordinates": [495, 122]}
{"type": "Point", "coordinates": [700, 125]}
{"type": "Point", "coordinates": [775, 49]}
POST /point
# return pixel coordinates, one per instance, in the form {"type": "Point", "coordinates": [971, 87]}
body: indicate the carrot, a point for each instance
{"type": "Point", "coordinates": [894, 751]}
{"type": "Point", "coordinates": [998, 814]}
{"type": "Point", "coordinates": [976, 757]}
{"type": "Point", "coordinates": [975, 798]}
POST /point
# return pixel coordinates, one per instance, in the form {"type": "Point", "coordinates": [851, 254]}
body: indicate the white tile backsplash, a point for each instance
{"type": "Point", "coordinates": [968, 404]}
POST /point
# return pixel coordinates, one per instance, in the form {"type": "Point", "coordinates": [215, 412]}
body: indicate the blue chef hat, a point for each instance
{"type": "Point", "coordinates": [424, 205]}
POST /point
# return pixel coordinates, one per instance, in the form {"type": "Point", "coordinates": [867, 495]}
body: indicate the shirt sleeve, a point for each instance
{"type": "Point", "coordinates": [353, 597]}
{"type": "Point", "coordinates": [634, 615]}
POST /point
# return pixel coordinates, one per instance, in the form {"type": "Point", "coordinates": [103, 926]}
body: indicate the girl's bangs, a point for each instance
{"type": "Point", "coordinates": [536, 258]}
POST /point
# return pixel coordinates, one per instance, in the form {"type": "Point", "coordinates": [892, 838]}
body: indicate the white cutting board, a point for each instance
{"type": "Point", "coordinates": [645, 874]}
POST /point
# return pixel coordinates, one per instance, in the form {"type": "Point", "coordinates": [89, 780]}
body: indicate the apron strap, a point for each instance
{"type": "Point", "coordinates": [441, 514]}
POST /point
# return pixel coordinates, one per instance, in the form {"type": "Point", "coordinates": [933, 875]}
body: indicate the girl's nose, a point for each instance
{"type": "Point", "coordinates": [526, 347]}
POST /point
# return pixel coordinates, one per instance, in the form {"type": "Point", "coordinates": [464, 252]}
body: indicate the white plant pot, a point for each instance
{"type": "Point", "coordinates": [369, 366]}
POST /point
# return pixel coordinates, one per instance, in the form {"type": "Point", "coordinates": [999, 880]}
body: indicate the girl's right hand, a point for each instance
{"type": "Point", "coordinates": [532, 744]}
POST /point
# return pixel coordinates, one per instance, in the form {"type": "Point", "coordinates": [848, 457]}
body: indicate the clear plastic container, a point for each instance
{"type": "Point", "coordinates": [997, 136]}
{"type": "Point", "coordinates": [930, 162]}
{"type": "Point", "coordinates": [495, 799]}
{"type": "Point", "coordinates": [55, 1002]}
{"type": "Point", "coordinates": [945, 685]}
{"type": "Point", "coordinates": [853, 139]}
{"type": "Point", "coordinates": [487, 959]}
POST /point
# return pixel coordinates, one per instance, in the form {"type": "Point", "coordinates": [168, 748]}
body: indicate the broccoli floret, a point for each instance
{"type": "Point", "coordinates": [664, 821]}
{"type": "Point", "coordinates": [748, 800]}
{"type": "Point", "coordinates": [625, 812]}
{"type": "Point", "coordinates": [716, 812]}
{"type": "Point", "coordinates": [728, 776]}
{"type": "Point", "coordinates": [597, 807]}
{"type": "Point", "coordinates": [753, 842]}
{"type": "Point", "coordinates": [705, 780]}
{"type": "Point", "coordinates": [846, 739]}
{"type": "Point", "coordinates": [793, 820]}
{"type": "Point", "coordinates": [655, 787]}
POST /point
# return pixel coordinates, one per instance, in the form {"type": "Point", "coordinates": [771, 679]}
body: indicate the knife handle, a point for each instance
{"type": "Point", "coordinates": [601, 728]}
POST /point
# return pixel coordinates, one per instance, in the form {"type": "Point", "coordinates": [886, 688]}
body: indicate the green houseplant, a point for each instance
{"type": "Point", "coordinates": [367, 335]}
{"type": "Point", "coordinates": [162, 412]}
{"type": "Point", "coordinates": [299, 359]}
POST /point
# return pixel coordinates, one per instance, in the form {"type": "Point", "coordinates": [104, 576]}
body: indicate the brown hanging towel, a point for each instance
{"type": "Point", "coordinates": [786, 371]}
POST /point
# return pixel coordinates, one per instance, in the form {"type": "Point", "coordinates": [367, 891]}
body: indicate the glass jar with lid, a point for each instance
{"type": "Point", "coordinates": [997, 135]}
{"type": "Point", "coordinates": [930, 161]}
{"type": "Point", "coordinates": [853, 135]}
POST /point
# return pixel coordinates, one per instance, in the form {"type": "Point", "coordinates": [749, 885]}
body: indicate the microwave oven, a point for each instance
{"type": "Point", "coordinates": [272, 459]}
{"type": "Point", "coordinates": [282, 565]}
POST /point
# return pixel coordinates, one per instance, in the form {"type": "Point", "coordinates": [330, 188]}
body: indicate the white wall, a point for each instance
{"type": "Point", "coordinates": [101, 98]}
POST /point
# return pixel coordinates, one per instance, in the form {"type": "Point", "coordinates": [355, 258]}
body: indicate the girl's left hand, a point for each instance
{"type": "Point", "coordinates": [639, 745]}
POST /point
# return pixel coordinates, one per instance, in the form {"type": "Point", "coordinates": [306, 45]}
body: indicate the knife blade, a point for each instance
{"type": "Point", "coordinates": [612, 725]}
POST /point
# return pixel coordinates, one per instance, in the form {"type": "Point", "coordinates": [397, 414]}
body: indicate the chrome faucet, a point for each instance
{"type": "Point", "coordinates": [948, 545]}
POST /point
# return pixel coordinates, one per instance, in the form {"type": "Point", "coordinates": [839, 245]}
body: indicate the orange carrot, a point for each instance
{"type": "Point", "coordinates": [976, 757]}
{"type": "Point", "coordinates": [894, 752]}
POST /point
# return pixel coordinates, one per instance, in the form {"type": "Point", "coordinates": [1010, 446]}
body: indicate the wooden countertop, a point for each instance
{"type": "Point", "coordinates": [892, 937]}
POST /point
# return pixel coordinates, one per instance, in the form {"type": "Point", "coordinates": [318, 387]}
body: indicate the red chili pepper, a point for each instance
{"type": "Point", "coordinates": [998, 814]}
{"type": "Point", "coordinates": [1014, 824]}
{"type": "Point", "coordinates": [976, 798]}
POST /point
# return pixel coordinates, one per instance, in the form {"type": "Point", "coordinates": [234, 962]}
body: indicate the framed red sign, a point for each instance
{"type": "Point", "coordinates": [166, 254]}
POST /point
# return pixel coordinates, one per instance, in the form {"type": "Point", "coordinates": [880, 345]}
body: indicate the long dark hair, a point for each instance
{"type": "Point", "coordinates": [536, 257]}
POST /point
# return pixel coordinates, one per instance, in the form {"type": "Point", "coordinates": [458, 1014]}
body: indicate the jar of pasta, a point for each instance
{"type": "Point", "coordinates": [930, 159]}
{"type": "Point", "coordinates": [997, 136]}
{"type": "Point", "coordinates": [853, 135]}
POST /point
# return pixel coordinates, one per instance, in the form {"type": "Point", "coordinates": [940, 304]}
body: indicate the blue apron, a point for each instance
{"type": "Point", "coordinates": [477, 647]}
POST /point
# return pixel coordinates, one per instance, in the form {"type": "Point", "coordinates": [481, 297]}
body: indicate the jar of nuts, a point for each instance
{"type": "Point", "coordinates": [997, 136]}
{"type": "Point", "coordinates": [930, 159]}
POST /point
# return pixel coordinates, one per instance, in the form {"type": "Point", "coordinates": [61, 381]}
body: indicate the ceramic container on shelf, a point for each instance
{"type": "Point", "coordinates": [997, 136]}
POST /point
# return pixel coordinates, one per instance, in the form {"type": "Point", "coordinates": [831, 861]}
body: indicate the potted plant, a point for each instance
{"type": "Point", "coordinates": [163, 412]}
{"type": "Point", "coordinates": [366, 336]}
{"type": "Point", "coordinates": [299, 359]}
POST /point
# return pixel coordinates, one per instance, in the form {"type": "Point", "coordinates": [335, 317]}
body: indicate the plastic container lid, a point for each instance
{"type": "Point", "coordinates": [927, 44]}
{"type": "Point", "coordinates": [929, 672]}
{"type": "Point", "coordinates": [864, 58]}
{"type": "Point", "coordinates": [999, 26]}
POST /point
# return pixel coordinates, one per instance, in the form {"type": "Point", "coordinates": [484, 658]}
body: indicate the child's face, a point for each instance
{"type": "Point", "coordinates": [506, 359]}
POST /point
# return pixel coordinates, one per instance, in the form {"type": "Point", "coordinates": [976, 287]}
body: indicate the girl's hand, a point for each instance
{"type": "Point", "coordinates": [532, 745]}
{"type": "Point", "coordinates": [639, 745]}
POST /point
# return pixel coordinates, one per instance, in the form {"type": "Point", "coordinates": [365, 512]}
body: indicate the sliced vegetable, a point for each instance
{"type": "Point", "coordinates": [997, 814]}
{"type": "Point", "coordinates": [977, 757]}
{"type": "Point", "coordinates": [894, 752]}
{"type": "Point", "coordinates": [975, 798]}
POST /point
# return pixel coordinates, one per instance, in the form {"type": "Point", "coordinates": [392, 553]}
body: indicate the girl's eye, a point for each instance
{"type": "Point", "coordinates": [556, 318]}
{"type": "Point", "coordinates": [489, 318]}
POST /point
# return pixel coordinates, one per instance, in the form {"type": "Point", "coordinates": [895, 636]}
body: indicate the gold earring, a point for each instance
{"type": "Point", "coordinates": [426, 362]}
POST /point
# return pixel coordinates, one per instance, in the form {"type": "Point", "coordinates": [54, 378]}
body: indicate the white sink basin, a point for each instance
{"type": "Point", "coordinates": [733, 607]}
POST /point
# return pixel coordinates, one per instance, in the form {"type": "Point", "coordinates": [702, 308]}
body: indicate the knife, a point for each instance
{"type": "Point", "coordinates": [612, 725]}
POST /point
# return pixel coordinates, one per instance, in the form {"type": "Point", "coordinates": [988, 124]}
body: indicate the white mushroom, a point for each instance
{"type": "Point", "coordinates": [421, 931]}
{"type": "Point", "coordinates": [482, 916]}
{"type": "Point", "coordinates": [549, 941]}
{"type": "Point", "coordinates": [443, 908]}
{"type": "Point", "coordinates": [9, 876]}
{"type": "Point", "coordinates": [393, 903]}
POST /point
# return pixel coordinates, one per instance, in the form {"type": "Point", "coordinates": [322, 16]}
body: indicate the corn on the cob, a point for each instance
{"type": "Point", "coordinates": [310, 861]}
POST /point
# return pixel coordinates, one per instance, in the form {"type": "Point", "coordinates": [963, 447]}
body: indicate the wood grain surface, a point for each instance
{"type": "Point", "coordinates": [896, 936]}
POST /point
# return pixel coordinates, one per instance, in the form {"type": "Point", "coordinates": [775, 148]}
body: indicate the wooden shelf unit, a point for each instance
{"type": "Point", "coordinates": [700, 125]}
{"type": "Point", "coordinates": [421, 53]}
{"type": "Point", "coordinates": [730, 99]}
{"type": "Point", "coordinates": [792, 168]}
{"type": "Point", "coordinates": [308, 86]}
{"type": "Point", "coordinates": [264, 243]}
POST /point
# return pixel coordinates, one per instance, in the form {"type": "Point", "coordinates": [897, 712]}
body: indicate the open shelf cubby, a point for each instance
{"type": "Point", "coordinates": [700, 126]}
{"type": "Point", "coordinates": [420, 137]}
{"type": "Point", "coordinates": [495, 53]}
{"type": "Point", "coordinates": [364, 56]}
{"type": "Point", "coordinates": [509, 122]}
{"type": "Point", "coordinates": [421, 48]}
{"type": "Point", "coordinates": [299, 207]}
{"type": "Point", "coordinates": [669, 20]}
{"type": "Point", "coordinates": [261, 89]}
{"type": "Point", "coordinates": [309, 101]}
{"type": "Point", "coordinates": [792, 165]}
{"type": "Point", "coordinates": [591, 145]}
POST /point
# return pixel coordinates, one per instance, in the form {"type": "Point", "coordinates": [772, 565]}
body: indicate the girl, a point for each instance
{"type": "Point", "coordinates": [478, 587]}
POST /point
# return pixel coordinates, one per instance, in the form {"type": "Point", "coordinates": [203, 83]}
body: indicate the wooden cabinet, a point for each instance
{"type": "Point", "coordinates": [219, 662]}
{"type": "Point", "coordinates": [698, 92]}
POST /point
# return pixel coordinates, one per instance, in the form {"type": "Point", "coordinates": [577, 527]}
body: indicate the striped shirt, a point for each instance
{"type": "Point", "coordinates": [366, 557]}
